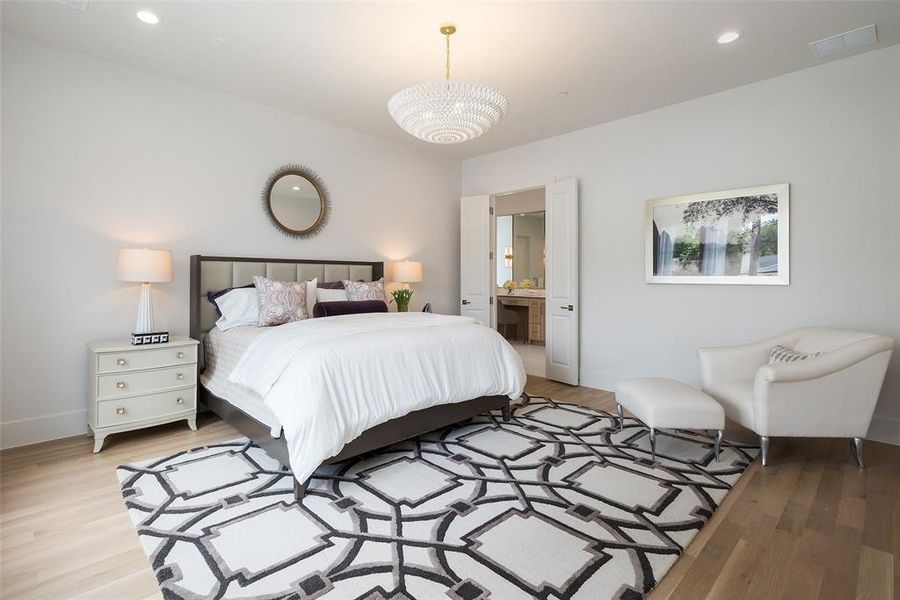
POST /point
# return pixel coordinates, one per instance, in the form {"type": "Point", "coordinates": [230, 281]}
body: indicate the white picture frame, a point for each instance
{"type": "Point", "coordinates": [740, 221]}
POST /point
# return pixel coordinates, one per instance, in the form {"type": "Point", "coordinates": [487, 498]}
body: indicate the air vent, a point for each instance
{"type": "Point", "coordinates": [843, 42]}
{"type": "Point", "coordinates": [76, 4]}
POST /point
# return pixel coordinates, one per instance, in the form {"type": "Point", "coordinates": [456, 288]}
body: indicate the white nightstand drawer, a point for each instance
{"type": "Point", "coordinates": [130, 360]}
{"type": "Point", "coordinates": [142, 382]}
{"type": "Point", "coordinates": [141, 408]}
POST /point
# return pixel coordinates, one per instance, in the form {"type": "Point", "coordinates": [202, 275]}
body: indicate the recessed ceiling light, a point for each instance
{"type": "Point", "coordinates": [296, 188]}
{"type": "Point", "coordinates": [147, 17]}
{"type": "Point", "coordinates": [728, 37]}
{"type": "Point", "coordinates": [563, 94]}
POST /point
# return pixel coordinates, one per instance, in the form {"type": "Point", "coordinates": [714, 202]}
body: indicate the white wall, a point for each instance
{"type": "Point", "coordinates": [832, 132]}
{"type": "Point", "coordinates": [97, 156]}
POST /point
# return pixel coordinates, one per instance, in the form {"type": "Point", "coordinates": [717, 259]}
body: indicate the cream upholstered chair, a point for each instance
{"type": "Point", "coordinates": [832, 395]}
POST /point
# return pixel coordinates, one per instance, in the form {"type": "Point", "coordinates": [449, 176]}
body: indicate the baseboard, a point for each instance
{"type": "Point", "coordinates": [885, 429]}
{"type": "Point", "coordinates": [51, 427]}
{"type": "Point", "coordinates": [599, 380]}
{"type": "Point", "coordinates": [42, 429]}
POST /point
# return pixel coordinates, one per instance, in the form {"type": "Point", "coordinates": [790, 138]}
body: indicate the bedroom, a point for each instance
{"type": "Point", "coordinates": [121, 134]}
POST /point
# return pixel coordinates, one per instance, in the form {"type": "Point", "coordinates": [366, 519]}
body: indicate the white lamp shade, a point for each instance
{"type": "Point", "coordinates": [144, 265]}
{"type": "Point", "coordinates": [408, 271]}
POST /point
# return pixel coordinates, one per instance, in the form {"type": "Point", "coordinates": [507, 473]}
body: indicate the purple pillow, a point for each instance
{"type": "Point", "coordinates": [213, 296]}
{"type": "Point", "coordinates": [351, 307]}
{"type": "Point", "coordinates": [331, 285]}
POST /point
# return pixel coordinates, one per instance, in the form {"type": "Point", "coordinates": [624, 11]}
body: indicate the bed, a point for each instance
{"type": "Point", "coordinates": [223, 355]}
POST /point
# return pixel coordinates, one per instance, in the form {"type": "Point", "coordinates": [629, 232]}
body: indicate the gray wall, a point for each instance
{"type": "Point", "coordinates": [97, 156]}
{"type": "Point", "coordinates": [832, 132]}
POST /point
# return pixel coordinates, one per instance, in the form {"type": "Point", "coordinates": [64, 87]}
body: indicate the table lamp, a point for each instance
{"type": "Point", "coordinates": [408, 271]}
{"type": "Point", "coordinates": [144, 266]}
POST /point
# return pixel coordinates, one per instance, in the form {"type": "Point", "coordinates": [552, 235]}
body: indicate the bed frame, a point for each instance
{"type": "Point", "coordinates": [212, 273]}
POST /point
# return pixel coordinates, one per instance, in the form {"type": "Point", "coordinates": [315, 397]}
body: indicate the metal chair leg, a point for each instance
{"type": "Point", "coordinates": [856, 447]}
{"type": "Point", "coordinates": [621, 414]}
{"type": "Point", "coordinates": [719, 435]}
{"type": "Point", "coordinates": [764, 449]}
{"type": "Point", "coordinates": [653, 443]}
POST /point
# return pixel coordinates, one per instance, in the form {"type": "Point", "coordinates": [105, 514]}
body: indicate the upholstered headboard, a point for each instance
{"type": "Point", "coordinates": [213, 273]}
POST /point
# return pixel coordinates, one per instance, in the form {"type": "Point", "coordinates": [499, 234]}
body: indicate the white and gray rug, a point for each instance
{"type": "Point", "coordinates": [556, 503]}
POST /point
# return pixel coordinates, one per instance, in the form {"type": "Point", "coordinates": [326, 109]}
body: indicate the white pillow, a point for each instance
{"type": "Point", "coordinates": [239, 307]}
{"type": "Point", "coordinates": [323, 295]}
{"type": "Point", "coordinates": [311, 287]}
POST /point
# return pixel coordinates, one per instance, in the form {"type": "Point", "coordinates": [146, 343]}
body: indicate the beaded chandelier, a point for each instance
{"type": "Point", "coordinates": [447, 112]}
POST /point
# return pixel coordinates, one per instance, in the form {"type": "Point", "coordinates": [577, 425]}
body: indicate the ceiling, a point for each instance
{"type": "Point", "coordinates": [341, 62]}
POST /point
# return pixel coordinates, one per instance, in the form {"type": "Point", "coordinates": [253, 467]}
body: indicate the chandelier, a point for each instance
{"type": "Point", "coordinates": [447, 112]}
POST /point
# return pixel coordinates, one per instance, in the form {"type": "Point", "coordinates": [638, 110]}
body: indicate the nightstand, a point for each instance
{"type": "Point", "coordinates": [132, 387]}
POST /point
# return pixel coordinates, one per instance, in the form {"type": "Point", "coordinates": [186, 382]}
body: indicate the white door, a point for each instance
{"type": "Point", "coordinates": [562, 281]}
{"type": "Point", "coordinates": [475, 277]}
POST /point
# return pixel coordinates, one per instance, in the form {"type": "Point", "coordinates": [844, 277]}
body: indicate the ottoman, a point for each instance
{"type": "Point", "coordinates": [666, 403]}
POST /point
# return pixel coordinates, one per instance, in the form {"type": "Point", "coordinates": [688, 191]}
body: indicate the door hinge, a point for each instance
{"type": "Point", "coordinates": [492, 210]}
{"type": "Point", "coordinates": [491, 300]}
{"type": "Point", "coordinates": [491, 255]}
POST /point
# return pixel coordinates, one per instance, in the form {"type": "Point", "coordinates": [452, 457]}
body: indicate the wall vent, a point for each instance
{"type": "Point", "coordinates": [843, 42]}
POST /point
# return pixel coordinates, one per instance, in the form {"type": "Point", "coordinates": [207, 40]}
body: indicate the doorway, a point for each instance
{"type": "Point", "coordinates": [520, 275]}
{"type": "Point", "coordinates": [550, 299]}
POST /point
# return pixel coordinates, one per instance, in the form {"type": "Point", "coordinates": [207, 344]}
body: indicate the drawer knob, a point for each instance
{"type": "Point", "coordinates": [179, 400]}
{"type": "Point", "coordinates": [179, 376]}
{"type": "Point", "coordinates": [121, 384]}
{"type": "Point", "coordinates": [179, 355]}
{"type": "Point", "coordinates": [120, 410]}
{"type": "Point", "coordinates": [121, 362]}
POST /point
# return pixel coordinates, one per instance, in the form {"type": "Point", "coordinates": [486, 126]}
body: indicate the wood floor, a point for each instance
{"type": "Point", "coordinates": [810, 526]}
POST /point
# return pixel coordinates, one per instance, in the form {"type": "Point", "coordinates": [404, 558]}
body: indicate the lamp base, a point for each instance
{"type": "Point", "coordinates": [144, 322]}
{"type": "Point", "coordinates": [143, 339]}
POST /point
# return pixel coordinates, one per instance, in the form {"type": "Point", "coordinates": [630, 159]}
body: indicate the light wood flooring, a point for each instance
{"type": "Point", "coordinates": [534, 356]}
{"type": "Point", "coordinates": [810, 526]}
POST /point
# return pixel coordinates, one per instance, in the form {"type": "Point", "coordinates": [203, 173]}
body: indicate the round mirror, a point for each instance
{"type": "Point", "coordinates": [296, 201]}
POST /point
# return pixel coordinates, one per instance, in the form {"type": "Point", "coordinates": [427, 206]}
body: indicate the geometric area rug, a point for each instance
{"type": "Point", "coordinates": [556, 503]}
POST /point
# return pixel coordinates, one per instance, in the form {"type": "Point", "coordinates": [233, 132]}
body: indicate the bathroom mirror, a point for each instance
{"type": "Point", "coordinates": [520, 248]}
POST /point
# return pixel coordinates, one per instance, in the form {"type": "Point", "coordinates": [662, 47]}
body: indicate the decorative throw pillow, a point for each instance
{"type": "Point", "coordinates": [365, 290]}
{"type": "Point", "coordinates": [780, 355]}
{"type": "Point", "coordinates": [280, 301]}
{"type": "Point", "coordinates": [334, 309]}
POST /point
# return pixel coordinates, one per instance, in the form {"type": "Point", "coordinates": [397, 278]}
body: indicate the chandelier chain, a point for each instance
{"type": "Point", "coordinates": [448, 57]}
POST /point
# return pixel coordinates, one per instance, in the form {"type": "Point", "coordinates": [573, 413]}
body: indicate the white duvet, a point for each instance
{"type": "Point", "coordinates": [329, 379]}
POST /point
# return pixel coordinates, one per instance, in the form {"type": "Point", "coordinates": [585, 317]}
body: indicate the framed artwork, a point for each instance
{"type": "Point", "coordinates": [731, 237]}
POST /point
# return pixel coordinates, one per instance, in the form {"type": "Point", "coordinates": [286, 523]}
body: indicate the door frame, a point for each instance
{"type": "Point", "coordinates": [516, 190]}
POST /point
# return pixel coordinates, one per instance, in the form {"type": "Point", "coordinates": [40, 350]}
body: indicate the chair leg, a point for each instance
{"type": "Point", "coordinates": [719, 434]}
{"type": "Point", "coordinates": [764, 449]}
{"type": "Point", "coordinates": [621, 414]}
{"type": "Point", "coordinates": [653, 443]}
{"type": "Point", "coordinates": [856, 445]}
